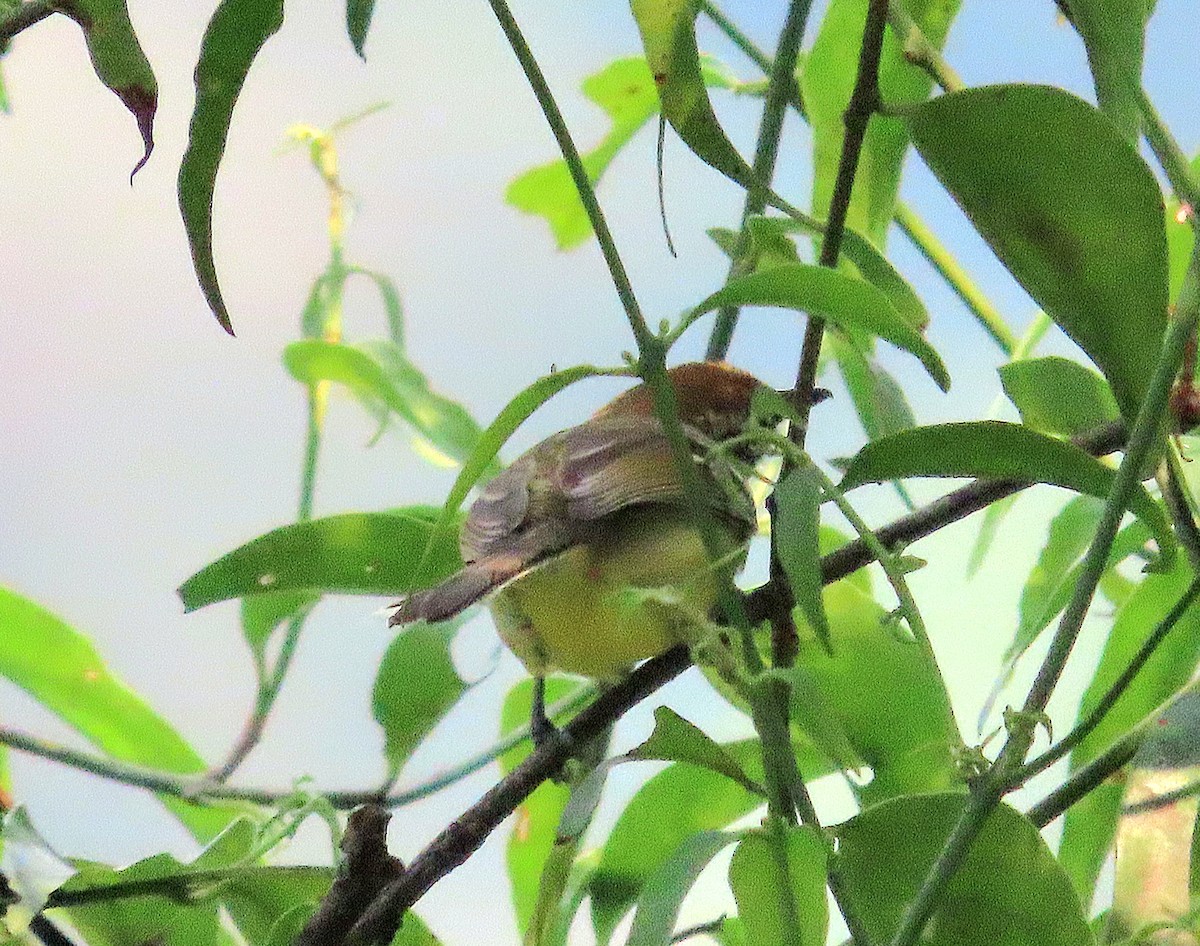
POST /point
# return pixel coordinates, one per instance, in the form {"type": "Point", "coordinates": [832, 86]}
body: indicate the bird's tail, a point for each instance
{"type": "Point", "coordinates": [458, 592]}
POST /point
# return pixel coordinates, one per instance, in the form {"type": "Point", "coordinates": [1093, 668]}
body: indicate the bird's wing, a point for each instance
{"type": "Point", "coordinates": [612, 463]}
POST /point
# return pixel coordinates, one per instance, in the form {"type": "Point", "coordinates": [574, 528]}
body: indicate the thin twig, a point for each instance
{"type": "Point", "coordinates": [23, 17]}
{"type": "Point", "coordinates": [1084, 781]}
{"type": "Point", "coordinates": [920, 51]}
{"type": "Point", "coordinates": [1114, 692]}
{"type": "Point", "coordinates": [781, 88]}
{"type": "Point", "coordinates": [864, 101]}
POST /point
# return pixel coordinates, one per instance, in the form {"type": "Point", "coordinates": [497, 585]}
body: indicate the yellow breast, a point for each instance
{"type": "Point", "coordinates": [580, 611]}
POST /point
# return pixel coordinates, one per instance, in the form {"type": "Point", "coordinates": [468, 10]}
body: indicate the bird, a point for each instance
{"type": "Point", "coordinates": [585, 548]}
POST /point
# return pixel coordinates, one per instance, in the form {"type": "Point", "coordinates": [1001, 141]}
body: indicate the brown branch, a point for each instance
{"type": "Point", "coordinates": [864, 102]}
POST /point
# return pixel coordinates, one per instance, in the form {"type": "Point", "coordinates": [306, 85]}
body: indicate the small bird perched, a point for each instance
{"type": "Point", "coordinates": [559, 539]}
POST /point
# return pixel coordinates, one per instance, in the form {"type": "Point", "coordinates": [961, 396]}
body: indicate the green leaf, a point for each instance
{"type": "Point", "coordinates": [871, 264]}
{"type": "Point", "coordinates": [1035, 169]}
{"type": "Point", "coordinates": [60, 668]}
{"type": "Point", "coordinates": [876, 695]}
{"type": "Point", "coordinates": [31, 868]}
{"type": "Point", "coordinates": [443, 422]}
{"type": "Point", "coordinates": [625, 90]}
{"type": "Point", "coordinates": [258, 899]}
{"type": "Point", "coordinates": [828, 80]}
{"type": "Point", "coordinates": [668, 29]}
{"type": "Point", "coordinates": [1000, 450]}
{"type": "Point", "coordinates": [1068, 538]}
{"type": "Point", "coordinates": [797, 542]}
{"type": "Point", "coordinates": [263, 614]}
{"type": "Point", "coordinates": [1008, 892]}
{"type": "Point", "coordinates": [119, 61]}
{"type": "Point", "coordinates": [375, 553]}
{"type": "Point", "coordinates": [674, 739]}
{"type": "Point", "coordinates": [1058, 396]}
{"type": "Point", "coordinates": [675, 804]}
{"type": "Point", "coordinates": [1114, 33]}
{"type": "Point", "coordinates": [1089, 825]}
{"type": "Point", "coordinates": [358, 22]}
{"type": "Point", "coordinates": [536, 825]}
{"type": "Point", "coordinates": [844, 300]}
{"type": "Point", "coordinates": [992, 518]}
{"type": "Point", "coordinates": [660, 900]}
{"type": "Point", "coordinates": [237, 31]}
{"type": "Point", "coordinates": [754, 877]}
{"type": "Point", "coordinates": [390, 296]}
{"type": "Point", "coordinates": [415, 688]}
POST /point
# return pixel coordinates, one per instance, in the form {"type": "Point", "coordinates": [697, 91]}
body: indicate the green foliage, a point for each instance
{"type": "Point", "coordinates": [236, 33]}
{"type": "Point", "coordinates": [1009, 892]}
{"type": "Point", "coordinates": [1034, 169]}
{"type": "Point", "coordinates": [1059, 191]}
{"type": "Point", "coordinates": [1003, 451]}
{"type": "Point", "coordinates": [379, 553]}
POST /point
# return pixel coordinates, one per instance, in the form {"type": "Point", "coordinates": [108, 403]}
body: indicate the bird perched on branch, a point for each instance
{"type": "Point", "coordinates": [585, 546]}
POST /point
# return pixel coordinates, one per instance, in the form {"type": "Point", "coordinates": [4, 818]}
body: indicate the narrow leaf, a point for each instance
{"type": "Point", "coordinates": [1000, 450]}
{"type": "Point", "coordinates": [381, 553]}
{"type": "Point", "coordinates": [1088, 829]}
{"type": "Point", "coordinates": [119, 61]}
{"type": "Point", "coordinates": [668, 29]}
{"type": "Point", "coordinates": [827, 82]}
{"type": "Point", "coordinates": [358, 22]}
{"type": "Point", "coordinates": [234, 36]}
{"type": "Point", "coordinates": [1034, 168]}
{"type": "Point", "coordinates": [660, 900]}
{"type": "Point", "coordinates": [844, 300]}
{"type": "Point", "coordinates": [1114, 33]}
{"type": "Point", "coordinates": [60, 668]}
{"type": "Point", "coordinates": [797, 542]}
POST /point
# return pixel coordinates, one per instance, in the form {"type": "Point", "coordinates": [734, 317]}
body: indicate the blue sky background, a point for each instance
{"type": "Point", "coordinates": [142, 442]}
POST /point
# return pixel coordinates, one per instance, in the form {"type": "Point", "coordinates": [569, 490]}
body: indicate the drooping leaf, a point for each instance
{"type": "Point", "coordinates": [358, 22]}
{"type": "Point", "coordinates": [1034, 168]}
{"type": "Point", "coordinates": [415, 688]}
{"type": "Point", "coordinates": [828, 80]}
{"type": "Point", "coordinates": [1089, 825]}
{"type": "Point", "coordinates": [754, 877]}
{"type": "Point", "coordinates": [59, 667]}
{"type": "Point", "coordinates": [668, 29]}
{"type": "Point", "coordinates": [1114, 33]}
{"type": "Point", "coordinates": [1058, 396]}
{"type": "Point", "coordinates": [625, 90]}
{"type": "Point", "coordinates": [797, 543]}
{"type": "Point", "coordinates": [662, 896]}
{"type": "Point", "coordinates": [237, 31]}
{"type": "Point", "coordinates": [393, 308]}
{"type": "Point", "coordinates": [119, 61]}
{"type": "Point", "coordinates": [673, 805]}
{"type": "Point", "coordinates": [1000, 450]}
{"type": "Point", "coordinates": [1009, 891]}
{"type": "Point", "coordinates": [380, 373]}
{"type": "Point", "coordinates": [380, 553]}
{"type": "Point", "coordinates": [842, 299]}
{"type": "Point", "coordinates": [674, 739]}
